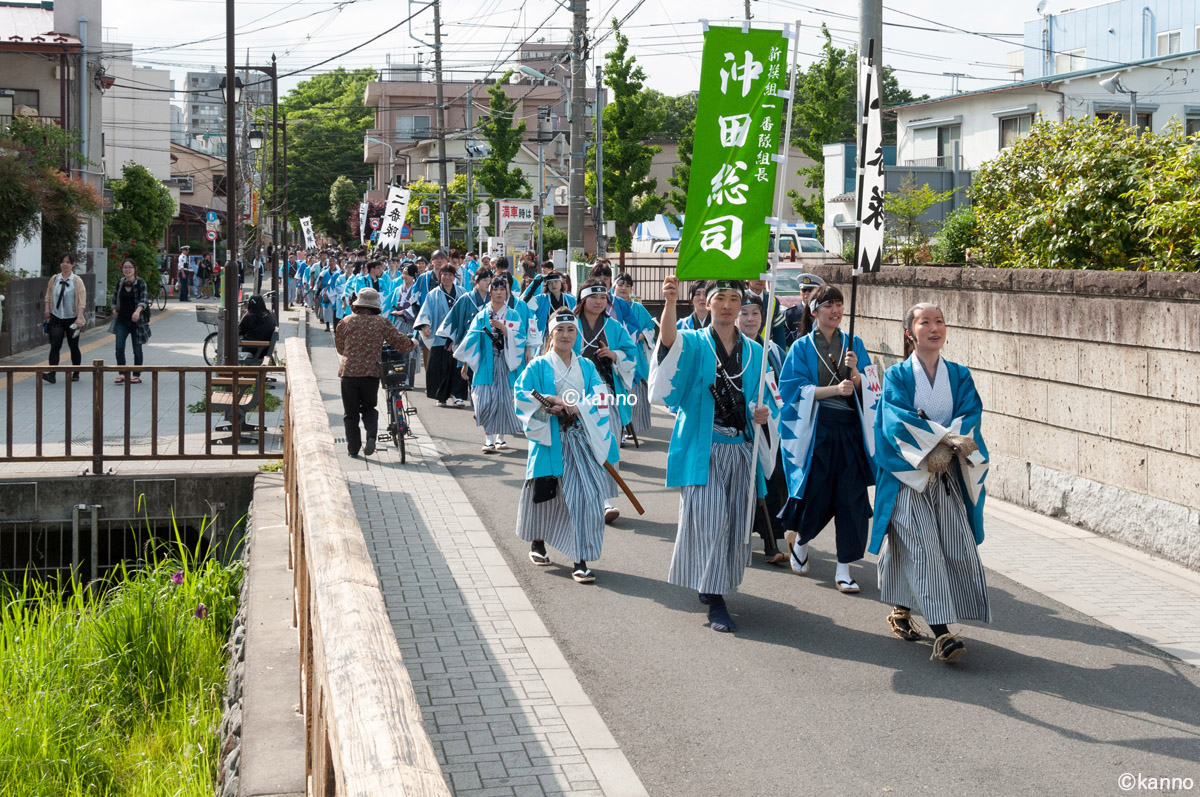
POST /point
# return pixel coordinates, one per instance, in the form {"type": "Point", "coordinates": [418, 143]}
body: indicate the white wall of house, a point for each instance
{"type": "Point", "coordinates": [137, 116]}
{"type": "Point", "coordinates": [1162, 96]}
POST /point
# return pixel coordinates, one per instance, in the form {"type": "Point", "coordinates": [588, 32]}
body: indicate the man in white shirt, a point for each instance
{"type": "Point", "coordinates": [185, 272]}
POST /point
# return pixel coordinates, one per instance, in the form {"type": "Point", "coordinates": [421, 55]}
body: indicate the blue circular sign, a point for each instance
{"type": "Point", "coordinates": [211, 216]}
{"type": "Point", "coordinates": [405, 231]}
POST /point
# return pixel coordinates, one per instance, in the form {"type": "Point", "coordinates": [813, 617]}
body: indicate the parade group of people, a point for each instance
{"type": "Point", "coordinates": [781, 447]}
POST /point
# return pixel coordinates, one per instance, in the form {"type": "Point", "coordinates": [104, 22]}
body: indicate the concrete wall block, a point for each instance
{"type": "Point", "coordinates": [1080, 408]}
{"type": "Point", "coordinates": [1121, 369]}
{"type": "Point", "coordinates": [1193, 431]}
{"type": "Point", "coordinates": [1162, 325]}
{"type": "Point", "coordinates": [1008, 479]}
{"type": "Point", "coordinates": [1113, 463]}
{"type": "Point", "coordinates": [1035, 314]}
{"type": "Point", "coordinates": [1043, 281]}
{"type": "Point", "coordinates": [963, 308]}
{"type": "Point", "coordinates": [1049, 359]}
{"type": "Point", "coordinates": [1110, 283]}
{"type": "Point", "coordinates": [1174, 477]}
{"type": "Point", "coordinates": [1052, 448]}
{"type": "Point", "coordinates": [936, 277]}
{"type": "Point", "coordinates": [991, 351]}
{"type": "Point", "coordinates": [1002, 434]}
{"type": "Point", "coordinates": [1174, 376]}
{"type": "Point", "coordinates": [987, 279]}
{"type": "Point", "coordinates": [983, 385]}
{"type": "Point", "coordinates": [1146, 422]}
{"type": "Point", "coordinates": [1173, 285]}
{"type": "Point", "coordinates": [1023, 398]}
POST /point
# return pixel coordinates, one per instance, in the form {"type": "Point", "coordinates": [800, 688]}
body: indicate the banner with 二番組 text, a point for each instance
{"type": "Point", "coordinates": [394, 215]}
{"type": "Point", "coordinates": [731, 193]}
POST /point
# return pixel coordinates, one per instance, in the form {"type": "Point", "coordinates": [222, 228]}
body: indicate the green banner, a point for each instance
{"type": "Point", "coordinates": [738, 122]}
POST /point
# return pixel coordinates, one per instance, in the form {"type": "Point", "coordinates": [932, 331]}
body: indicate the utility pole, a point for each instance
{"type": "Point", "coordinates": [870, 26]}
{"type": "Point", "coordinates": [275, 188]}
{"type": "Point", "coordinates": [470, 170]}
{"type": "Point", "coordinates": [578, 208]}
{"type": "Point", "coordinates": [232, 215]}
{"type": "Point", "coordinates": [541, 202]}
{"type": "Point", "coordinates": [443, 216]}
{"type": "Point", "coordinates": [600, 238]}
{"type": "Point", "coordinates": [748, 16]}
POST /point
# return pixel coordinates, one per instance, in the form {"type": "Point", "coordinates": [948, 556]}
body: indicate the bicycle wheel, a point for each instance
{"type": "Point", "coordinates": [400, 438]}
{"type": "Point", "coordinates": [211, 354]}
{"type": "Point", "coordinates": [161, 299]}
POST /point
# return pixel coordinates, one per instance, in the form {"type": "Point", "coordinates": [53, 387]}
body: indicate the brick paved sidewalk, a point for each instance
{"type": "Point", "coordinates": [504, 709]}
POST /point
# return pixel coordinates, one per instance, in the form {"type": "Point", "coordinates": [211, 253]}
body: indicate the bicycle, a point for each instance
{"type": "Point", "coordinates": [211, 317]}
{"type": "Point", "coordinates": [393, 375]}
{"type": "Point", "coordinates": [159, 297]}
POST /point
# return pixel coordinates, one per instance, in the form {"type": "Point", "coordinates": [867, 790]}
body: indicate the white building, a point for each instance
{"type": "Point", "coordinates": [137, 115]}
{"type": "Point", "coordinates": [982, 123]}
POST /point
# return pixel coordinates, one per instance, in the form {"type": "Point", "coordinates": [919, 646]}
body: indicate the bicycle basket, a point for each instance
{"type": "Point", "coordinates": [393, 374]}
{"type": "Point", "coordinates": [208, 315]}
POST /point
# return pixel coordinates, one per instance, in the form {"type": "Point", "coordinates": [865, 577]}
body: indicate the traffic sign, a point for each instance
{"type": "Point", "coordinates": [483, 209]}
{"type": "Point", "coordinates": [212, 225]}
{"type": "Point", "coordinates": [374, 224]}
{"type": "Point", "coordinates": [561, 195]}
{"type": "Point", "coordinates": [211, 217]}
{"type": "Point", "coordinates": [405, 232]}
{"type": "Point", "coordinates": [211, 235]}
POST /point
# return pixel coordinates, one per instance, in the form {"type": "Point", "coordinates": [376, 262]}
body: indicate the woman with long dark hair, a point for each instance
{"type": "Point", "coordinates": [131, 317]}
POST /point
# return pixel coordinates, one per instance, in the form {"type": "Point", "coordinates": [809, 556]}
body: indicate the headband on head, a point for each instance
{"type": "Point", "coordinates": [814, 306]}
{"type": "Point", "coordinates": [594, 290]}
{"type": "Point", "coordinates": [723, 285]}
{"type": "Point", "coordinates": [623, 279]}
{"type": "Point", "coordinates": [553, 276]}
{"type": "Point", "coordinates": [561, 318]}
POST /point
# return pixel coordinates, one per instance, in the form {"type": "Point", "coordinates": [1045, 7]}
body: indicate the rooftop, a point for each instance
{"type": "Point", "coordinates": [29, 27]}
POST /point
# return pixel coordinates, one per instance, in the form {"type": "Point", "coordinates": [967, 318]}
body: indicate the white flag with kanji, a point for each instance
{"type": "Point", "coordinates": [871, 179]}
{"type": "Point", "coordinates": [394, 215]}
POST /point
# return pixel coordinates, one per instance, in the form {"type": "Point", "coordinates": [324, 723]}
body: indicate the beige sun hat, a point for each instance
{"type": "Point", "coordinates": [369, 298]}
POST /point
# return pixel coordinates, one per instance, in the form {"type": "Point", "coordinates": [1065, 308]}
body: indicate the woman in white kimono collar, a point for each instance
{"type": "Point", "coordinates": [562, 502]}
{"type": "Point", "coordinates": [494, 351]}
{"type": "Point", "coordinates": [929, 502]}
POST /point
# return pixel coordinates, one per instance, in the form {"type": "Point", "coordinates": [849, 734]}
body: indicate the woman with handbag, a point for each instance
{"type": "Point", "coordinates": [131, 317]}
{"type": "Point", "coordinates": [570, 439]}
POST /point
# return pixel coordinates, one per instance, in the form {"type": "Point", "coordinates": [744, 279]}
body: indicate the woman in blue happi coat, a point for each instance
{"type": "Point", "coordinates": [929, 502]}
{"type": "Point", "coordinates": [606, 343]}
{"type": "Point", "coordinates": [456, 323]}
{"type": "Point", "coordinates": [545, 304]}
{"type": "Point", "coordinates": [827, 439]}
{"type": "Point", "coordinates": [713, 376]}
{"type": "Point", "coordinates": [566, 487]}
{"type": "Point", "coordinates": [640, 326]}
{"type": "Point", "coordinates": [494, 351]}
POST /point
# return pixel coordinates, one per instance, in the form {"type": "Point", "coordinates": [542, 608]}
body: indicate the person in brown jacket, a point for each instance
{"type": "Point", "coordinates": [359, 339]}
{"type": "Point", "coordinates": [66, 298]}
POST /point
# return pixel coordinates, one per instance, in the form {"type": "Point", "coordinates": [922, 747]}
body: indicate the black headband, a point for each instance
{"type": "Point", "coordinates": [723, 285]}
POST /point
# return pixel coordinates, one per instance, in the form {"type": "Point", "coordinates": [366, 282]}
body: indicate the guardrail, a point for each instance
{"type": "Point", "coordinates": [175, 379]}
{"type": "Point", "coordinates": [363, 727]}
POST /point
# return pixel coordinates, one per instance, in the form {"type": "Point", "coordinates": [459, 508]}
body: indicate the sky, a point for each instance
{"type": "Point", "coordinates": [481, 35]}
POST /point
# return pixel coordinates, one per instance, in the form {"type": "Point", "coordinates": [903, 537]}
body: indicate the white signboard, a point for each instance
{"type": "Point", "coordinates": [514, 210]}
{"type": "Point", "coordinates": [363, 209]}
{"type": "Point", "coordinates": [393, 217]}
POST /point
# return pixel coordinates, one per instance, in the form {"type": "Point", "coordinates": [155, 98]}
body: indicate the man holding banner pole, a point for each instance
{"type": "Point", "coordinates": [717, 377]}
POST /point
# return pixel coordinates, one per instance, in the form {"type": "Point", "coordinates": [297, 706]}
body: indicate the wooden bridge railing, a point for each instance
{"type": "Point", "coordinates": [364, 734]}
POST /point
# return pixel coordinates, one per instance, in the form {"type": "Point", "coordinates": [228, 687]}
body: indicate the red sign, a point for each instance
{"type": "Point", "coordinates": [211, 235]}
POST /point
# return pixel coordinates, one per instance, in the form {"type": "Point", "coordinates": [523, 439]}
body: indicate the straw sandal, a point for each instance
{"type": "Point", "coordinates": [904, 626]}
{"type": "Point", "coordinates": [947, 647]}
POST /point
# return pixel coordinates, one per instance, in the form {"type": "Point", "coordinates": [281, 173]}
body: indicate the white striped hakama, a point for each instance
{"type": "Point", "coordinates": [572, 521]}
{"type": "Point", "coordinates": [711, 549]}
{"type": "Point", "coordinates": [494, 409]}
{"type": "Point", "coordinates": [929, 561]}
{"type": "Point", "coordinates": [641, 407]}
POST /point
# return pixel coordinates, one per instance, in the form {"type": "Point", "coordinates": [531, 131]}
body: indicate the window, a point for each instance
{"type": "Point", "coordinates": [1169, 42]}
{"type": "Point", "coordinates": [947, 137]}
{"type": "Point", "coordinates": [218, 185]}
{"type": "Point", "coordinates": [1070, 61]}
{"type": "Point", "coordinates": [1192, 125]}
{"type": "Point", "coordinates": [1013, 128]}
{"type": "Point", "coordinates": [411, 128]}
{"type": "Point", "coordinates": [1143, 119]}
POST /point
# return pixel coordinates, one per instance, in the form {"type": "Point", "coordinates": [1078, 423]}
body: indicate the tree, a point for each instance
{"type": "Point", "coordinates": [630, 119]}
{"type": "Point", "coordinates": [827, 116]}
{"type": "Point", "coordinates": [907, 232]}
{"type": "Point", "coordinates": [681, 173]}
{"type": "Point", "coordinates": [343, 195]}
{"type": "Point", "coordinates": [495, 174]}
{"type": "Point", "coordinates": [327, 122]}
{"type": "Point", "coordinates": [677, 113]}
{"type": "Point", "coordinates": [142, 209]}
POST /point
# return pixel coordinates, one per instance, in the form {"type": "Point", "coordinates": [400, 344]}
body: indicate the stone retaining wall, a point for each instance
{"type": "Point", "coordinates": [1090, 379]}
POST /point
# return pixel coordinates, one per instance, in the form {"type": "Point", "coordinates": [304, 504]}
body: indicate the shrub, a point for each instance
{"type": "Point", "coordinates": [907, 232]}
{"type": "Point", "coordinates": [956, 236]}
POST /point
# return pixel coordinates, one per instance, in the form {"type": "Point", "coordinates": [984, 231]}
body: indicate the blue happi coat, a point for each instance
{"type": "Point", "coordinates": [682, 380]}
{"type": "Point", "coordinates": [690, 322]}
{"type": "Point", "coordinates": [539, 311]}
{"type": "Point", "coordinates": [625, 366]}
{"type": "Point", "coordinates": [903, 440]}
{"type": "Point", "coordinates": [640, 325]}
{"type": "Point", "coordinates": [434, 310]}
{"type": "Point", "coordinates": [542, 429]}
{"type": "Point", "coordinates": [476, 349]}
{"type": "Point", "coordinates": [797, 386]}
{"type": "Point", "coordinates": [456, 323]}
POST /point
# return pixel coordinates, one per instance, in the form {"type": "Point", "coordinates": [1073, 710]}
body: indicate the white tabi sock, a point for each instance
{"type": "Point", "coordinates": [487, 439]}
{"type": "Point", "coordinates": [843, 572]}
{"type": "Point", "coordinates": [801, 552]}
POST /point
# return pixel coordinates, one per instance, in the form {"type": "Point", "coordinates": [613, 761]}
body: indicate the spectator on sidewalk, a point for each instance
{"type": "Point", "coordinates": [929, 516]}
{"type": "Point", "coordinates": [183, 272]}
{"type": "Point", "coordinates": [257, 324]}
{"type": "Point", "coordinates": [66, 298]}
{"type": "Point", "coordinates": [359, 339]}
{"type": "Point", "coordinates": [203, 275]}
{"type": "Point", "coordinates": [131, 317]}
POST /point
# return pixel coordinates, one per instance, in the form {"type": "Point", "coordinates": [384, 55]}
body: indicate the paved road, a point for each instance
{"type": "Point", "coordinates": [813, 695]}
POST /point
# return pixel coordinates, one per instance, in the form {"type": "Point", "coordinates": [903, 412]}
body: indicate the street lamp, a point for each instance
{"type": "Point", "coordinates": [391, 155]}
{"type": "Point", "coordinates": [1113, 85]}
{"type": "Point", "coordinates": [256, 137]}
{"type": "Point", "coordinates": [237, 90]}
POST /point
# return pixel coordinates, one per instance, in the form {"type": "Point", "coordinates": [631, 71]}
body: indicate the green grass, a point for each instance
{"type": "Point", "coordinates": [116, 692]}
